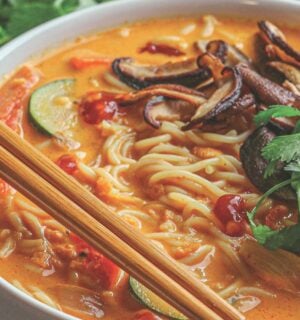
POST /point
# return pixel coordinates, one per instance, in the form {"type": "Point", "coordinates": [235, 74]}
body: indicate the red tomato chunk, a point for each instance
{"type": "Point", "coordinates": [97, 107]}
{"type": "Point", "coordinates": [68, 163]}
{"type": "Point", "coordinates": [146, 315]}
{"type": "Point", "coordinates": [230, 210]}
{"type": "Point", "coordinates": [14, 94]}
{"type": "Point", "coordinates": [96, 264]}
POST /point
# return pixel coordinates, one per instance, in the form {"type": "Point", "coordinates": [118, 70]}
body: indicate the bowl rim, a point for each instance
{"type": "Point", "coordinates": [5, 50]}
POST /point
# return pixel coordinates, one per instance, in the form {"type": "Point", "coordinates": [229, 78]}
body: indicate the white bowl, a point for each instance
{"type": "Point", "coordinates": [14, 304]}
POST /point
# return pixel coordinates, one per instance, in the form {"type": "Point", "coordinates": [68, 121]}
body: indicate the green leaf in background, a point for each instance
{"type": "Point", "coordinates": [27, 16]}
{"type": "Point", "coordinates": [18, 16]}
{"type": "Point", "coordinates": [4, 37]}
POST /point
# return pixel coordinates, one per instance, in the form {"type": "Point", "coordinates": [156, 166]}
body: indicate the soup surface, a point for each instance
{"type": "Point", "coordinates": [186, 190]}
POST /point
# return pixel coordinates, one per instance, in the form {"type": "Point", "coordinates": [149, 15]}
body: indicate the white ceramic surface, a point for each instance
{"type": "Point", "coordinates": [15, 305]}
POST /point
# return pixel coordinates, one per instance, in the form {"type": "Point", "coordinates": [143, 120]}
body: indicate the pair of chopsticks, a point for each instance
{"type": "Point", "coordinates": [39, 179]}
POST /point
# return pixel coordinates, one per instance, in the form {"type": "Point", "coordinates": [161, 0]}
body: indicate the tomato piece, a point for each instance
{"type": "Point", "coordinates": [276, 217]}
{"type": "Point", "coordinates": [84, 63]}
{"type": "Point", "coordinates": [97, 107]}
{"type": "Point", "coordinates": [146, 315]}
{"type": "Point", "coordinates": [230, 210]}
{"type": "Point", "coordinates": [230, 207]}
{"type": "Point", "coordinates": [96, 264]}
{"type": "Point", "coordinates": [14, 92]}
{"type": "Point", "coordinates": [153, 48]}
{"type": "Point", "coordinates": [68, 163]}
{"type": "Point", "coordinates": [235, 229]}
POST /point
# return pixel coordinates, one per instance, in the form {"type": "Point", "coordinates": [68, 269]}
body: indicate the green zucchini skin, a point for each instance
{"type": "Point", "coordinates": [45, 114]}
{"type": "Point", "coordinates": [152, 301]}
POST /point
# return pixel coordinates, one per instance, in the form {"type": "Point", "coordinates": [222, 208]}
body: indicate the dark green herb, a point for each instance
{"type": "Point", "coordinates": [284, 150]}
{"type": "Point", "coordinates": [275, 111]}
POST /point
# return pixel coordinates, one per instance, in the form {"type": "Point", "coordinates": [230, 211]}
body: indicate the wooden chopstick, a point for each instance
{"type": "Point", "coordinates": [136, 242]}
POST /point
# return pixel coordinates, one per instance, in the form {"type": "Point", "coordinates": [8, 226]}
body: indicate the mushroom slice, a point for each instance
{"type": "Point", "coordinates": [280, 269]}
{"type": "Point", "coordinates": [213, 63]}
{"type": "Point", "coordinates": [172, 91]}
{"type": "Point", "coordinates": [290, 72]}
{"type": "Point", "coordinates": [185, 73]}
{"type": "Point", "coordinates": [255, 165]}
{"type": "Point", "coordinates": [229, 54]}
{"type": "Point", "coordinates": [224, 98]}
{"type": "Point", "coordinates": [218, 48]}
{"type": "Point", "coordinates": [246, 100]}
{"type": "Point", "coordinates": [159, 108]}
{"type": "Point", "coordinates": [273, 35]}
{"type": "Point", "coordinates": [268, 91]}
{"type": "Point", "coordinates": [236, 56]}
{"type": "Point", "coordinates": [291, 87]}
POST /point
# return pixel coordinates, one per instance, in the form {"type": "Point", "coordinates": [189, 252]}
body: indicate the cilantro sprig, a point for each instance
{"type": "Point", "coordinates": [285, 151]}
{"type": "Point", "coordinates": [275, 111]}
{"type": "Point", "coordinates": [18, 16]}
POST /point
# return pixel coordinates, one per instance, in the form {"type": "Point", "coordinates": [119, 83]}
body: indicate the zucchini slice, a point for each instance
{"type": "Point", "coordinates": [49, 108]}
{"type": "Point", "coordinates": [153, 302]}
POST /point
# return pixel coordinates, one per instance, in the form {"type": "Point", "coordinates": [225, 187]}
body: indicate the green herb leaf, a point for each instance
{"type": "Point", "coordinates": [275, 111]}
{"type": "Point", "coordinates": [297, 127]}
{"type": "Point", "coordinates": [4, 37]}
{"type": "Point", "coordinates": [282, 148]}
{"type": "Point", "coordinates": [287, 238]}
{"type": "Point", "coordinates": [296, 184]}
{"type": "Point", "coordinates": [293, 167]}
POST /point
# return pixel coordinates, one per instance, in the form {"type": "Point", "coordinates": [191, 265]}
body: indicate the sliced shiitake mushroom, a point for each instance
{"type": "Point", "coordinates": [160, 108]}
{"type": "Point", "coordinates": [278, 44]}
{"type": "Point", "coordinates": [213, 63]}
{"type": "Point", "coordinates": [255, 165]}
{"type": "Point", "coordinates": [224, 98]}
{"type": "Point", "coordinates": [172, 91]}
{"type": "Point", "coordinates": [137, 76]}
{"type": "Point", "coordinates": [218, 48]}
{"type": "Point", "coordinates": [164, 102]}
{"type": "Point", "coordinates": [290, 72]}
{"type": "Point", "coordinates": [246, 100]}
{"type": "Point", "coordinates": [229, 54]}
{"type": "Point", "coordinates": [267, 91]}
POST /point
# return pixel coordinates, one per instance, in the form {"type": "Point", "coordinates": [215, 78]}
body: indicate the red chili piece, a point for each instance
{"type": "Point", "coordinates": [97, 107]}
{"type": "Point", "coordinates": [276, 217]}
{"type": "Point", "coordinates": [230, 210]}
{"type": "Point", "coordinates": [105, 271]}
{"type": "Point", "coordinates": [161, 48]}
{"type": "Point", "coordinates": [68, 163]}
{"type": "Point", "coordinates": [146, 315]}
